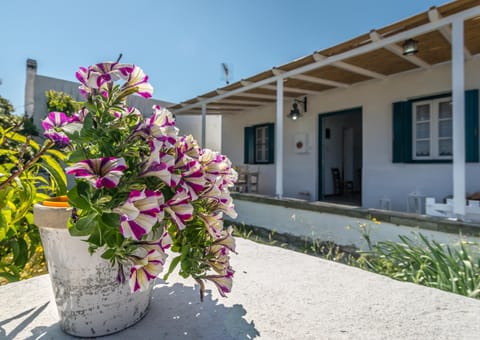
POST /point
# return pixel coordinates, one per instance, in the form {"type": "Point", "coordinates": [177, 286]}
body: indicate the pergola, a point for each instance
{"type": "Point", "coordinates": [445, 34]}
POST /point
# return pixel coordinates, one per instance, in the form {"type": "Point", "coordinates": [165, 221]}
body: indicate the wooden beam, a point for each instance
{"type": "Point", "coordinates": [352, 68]}
{"type": "Point", "coordinates": [291, 89]}
{"type": "Point", "coordinates": [310, 79]}
{"type": "Point", "coordinates": [246, 102]}
{"type": "Point", "coordinates": [395, 49]}
{"type": "Point", "coordinates": [446, 31]}
{"type": "Point", "coordinates": [219, 107]}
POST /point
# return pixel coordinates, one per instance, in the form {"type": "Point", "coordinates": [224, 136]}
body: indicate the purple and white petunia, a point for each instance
{"type": "Point", "coordinates": [213, 223]}
{"type": "Point", "coordinates": [194, 178]}
{"type": "Point", "coordinates": [140, 213]}
{"type": "Point", "coordinates": [223, 282]}
{"type": "Point", "coordinates": [55, 126]}
{"type": "Point", "coordinates": [99, 172]}
{"type": "Point", "coordinates": [137, 81]}
{"type": "Point", "coordinates": [160, 244]}
{"type": "Point", "coordinates": [160, 126]}
{"type": "Point", "coordinates": [161, 165]}
{"type": "Point", "coordinates": [214, 164]}
{"type": "Point", "coordinates": [179, 208]}
{"type": "Point", "coordinates": [146, 269]}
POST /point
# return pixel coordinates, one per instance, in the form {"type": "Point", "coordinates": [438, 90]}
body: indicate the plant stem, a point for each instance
{"type": "Point", "coordinates": [28, 165]}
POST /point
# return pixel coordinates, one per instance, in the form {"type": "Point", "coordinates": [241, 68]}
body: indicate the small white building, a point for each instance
{"type": "Point", "coordinates": [383, 119]}
{"type": "Point", "coordinates": [36, 105]}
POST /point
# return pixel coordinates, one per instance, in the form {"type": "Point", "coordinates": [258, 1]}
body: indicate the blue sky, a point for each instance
{"type": "Point", "coordinates": [180, 44]}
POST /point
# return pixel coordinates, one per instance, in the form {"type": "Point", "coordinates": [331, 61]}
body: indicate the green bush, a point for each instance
{"type": "Point", "coordinates": [429, 263]}
{"type": "Point", "coordinates": [61, 102]}
{"type": "Point", "coordinates": [29, 173]}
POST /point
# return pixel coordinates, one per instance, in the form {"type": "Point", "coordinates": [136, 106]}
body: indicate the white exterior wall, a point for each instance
{"type": "Point", "coordinates": [192, 125]}
{"type": "Point", "coordinates": [380, 177]}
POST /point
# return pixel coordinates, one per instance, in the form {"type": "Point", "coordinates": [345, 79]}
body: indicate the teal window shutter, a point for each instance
{"type": "Point", "coordinates": [402, 132]}
{"type": "Point", "coordinates": [249, 145]}
{"type": "Point", "coordinates": [271, 142]}
{"type": "Point", "coordinates": [471, 126]}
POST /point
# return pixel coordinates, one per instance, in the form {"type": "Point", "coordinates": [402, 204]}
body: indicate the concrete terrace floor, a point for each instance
{"type": "Point", "coordinates": [277, 294]}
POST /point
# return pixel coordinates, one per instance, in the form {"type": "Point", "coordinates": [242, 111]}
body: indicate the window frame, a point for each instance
{"type": "Point", "coordinates": [267, 144]}
{"type": "Point", "coordinates": [434, 129]}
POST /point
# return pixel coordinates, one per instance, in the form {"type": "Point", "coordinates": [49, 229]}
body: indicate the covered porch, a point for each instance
{"type": "Point", "coordinates": [448, 40]}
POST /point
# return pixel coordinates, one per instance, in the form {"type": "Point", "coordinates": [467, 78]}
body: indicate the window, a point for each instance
{"type": "Point", "coordinates": [259, 144]}
{"type": "Point", "coordinates": [432, 129]}
{"type": "Point", "coordinates": [422, 129]}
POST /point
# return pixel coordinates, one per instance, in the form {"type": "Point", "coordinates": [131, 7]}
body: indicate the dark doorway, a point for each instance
{"type": "Point", "coordinates": [340, 157]}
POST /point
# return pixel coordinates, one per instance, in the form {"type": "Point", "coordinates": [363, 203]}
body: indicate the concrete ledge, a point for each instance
{"type": "Point", "coordinates": [389, 216]}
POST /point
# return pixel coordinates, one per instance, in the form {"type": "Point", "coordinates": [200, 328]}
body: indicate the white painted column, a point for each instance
{"type": "Point", "coordinates": [204, 125]}
{"type": "Point", "coordinates": [458, 107]}
{"type": "Point", "coordinates": [279, 141]}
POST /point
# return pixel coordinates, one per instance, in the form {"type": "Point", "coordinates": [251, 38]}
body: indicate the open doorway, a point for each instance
{"type": "Point", "coordinates": [340, 157]}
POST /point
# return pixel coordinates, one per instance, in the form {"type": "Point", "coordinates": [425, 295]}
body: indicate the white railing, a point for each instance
{"type": "Point", "coordinates": [446, 209]}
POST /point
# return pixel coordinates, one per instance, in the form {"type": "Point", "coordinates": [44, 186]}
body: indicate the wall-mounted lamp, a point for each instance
{"type": "Point", "coordinates": [410, 47]}
{"type": "Point", "coordinates": [295, 112]}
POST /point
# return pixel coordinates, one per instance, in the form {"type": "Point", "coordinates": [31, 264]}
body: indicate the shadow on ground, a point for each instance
{"type": "Point", "coordinates": [175, 313]}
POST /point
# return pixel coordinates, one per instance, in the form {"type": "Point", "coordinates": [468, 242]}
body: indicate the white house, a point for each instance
{"type": "Point", "coordinates": [36, 105]}
{"type": "Point", "coordinates": [395, 110]}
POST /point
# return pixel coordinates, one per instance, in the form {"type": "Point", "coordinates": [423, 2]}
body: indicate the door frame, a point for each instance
{"type": "Point", "coordinates": [321, 117]}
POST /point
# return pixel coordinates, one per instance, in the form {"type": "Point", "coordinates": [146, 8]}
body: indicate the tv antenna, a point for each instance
{"type": "Point", "coordinates": [226, 72]}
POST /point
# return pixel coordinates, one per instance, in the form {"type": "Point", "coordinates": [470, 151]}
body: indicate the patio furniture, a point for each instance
{"type": "Point", "coordinates": [247, 180]}
{"type": "Point", "coordinates": [339, 186]}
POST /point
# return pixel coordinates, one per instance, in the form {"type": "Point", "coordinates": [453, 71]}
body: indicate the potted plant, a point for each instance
{"type": "Point", "coordinates": [140, 189]}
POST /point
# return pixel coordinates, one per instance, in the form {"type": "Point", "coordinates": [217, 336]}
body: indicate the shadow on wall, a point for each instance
{"type": "Point", "coordinates": [175, 313]}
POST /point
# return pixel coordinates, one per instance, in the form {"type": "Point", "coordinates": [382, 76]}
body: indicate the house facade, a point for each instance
{"type": "Point", "coordinates": [377, 125]}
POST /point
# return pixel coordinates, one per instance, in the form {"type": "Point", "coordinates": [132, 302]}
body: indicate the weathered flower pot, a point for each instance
{"type": "Point", "coordinates": [89, 299]}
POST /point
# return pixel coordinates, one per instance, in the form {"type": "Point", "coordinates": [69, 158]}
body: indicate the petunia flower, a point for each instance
{"type": "Point", "coordinates": [146, 269]}
{"type": "Point", "coordinates": [214, 164]}
{"type": "Point", "coordinates": [137, 81]}
{"type": "Point", "coordinates": [161, 165]}
{"type": "Point", "coordinates": [194, 178]}
{"type": "Point", "coordinates": [213, 223]}
{"type": "Point", "coordinates": [140, 213]}
{"type": "Point", "coordinates": [223, 282]}
{"type": "Point", "coordinates": [160, 244]}
{"type": "Point", "coordinates": [99, 172]}
{"type": "Point", "coordinates": [160, 126]}
{"type": "Point", "coordinates": [179, 208]}
{"type": "Point", "coordinates": [55, 126]}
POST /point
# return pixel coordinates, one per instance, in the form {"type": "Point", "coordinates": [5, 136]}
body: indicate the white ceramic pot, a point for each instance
{"type": "Point", "coordinates": [89, 299]}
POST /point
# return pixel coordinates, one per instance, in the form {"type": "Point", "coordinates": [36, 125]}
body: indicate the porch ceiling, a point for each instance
{"type": "Point", "coordinates": [434, 47]}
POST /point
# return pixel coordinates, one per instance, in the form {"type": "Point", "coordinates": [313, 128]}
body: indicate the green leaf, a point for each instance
{"type": "Point", "coordinates": [109, 254]}
{"type": "Point", "coordinates": [77, 200]}
{"type": "Point", "coordinates": [111, 220]}
{"type": "Point", "coordinates": [20, 252]}
{"type": "Point", "coordinates": [57, 154]}
{"type": "Point", "coordinates": [96, 237]}
{"type": "Point", "coordinates": [9, 277]}
{"type": "Point", "coordinates": [77, 156]}
{"type": "Point", "coordinates": [84, 226]}
{"type": "Point", "coordinates": [56, 171]}
{"type": "Point", "coordinates": [172, 266]}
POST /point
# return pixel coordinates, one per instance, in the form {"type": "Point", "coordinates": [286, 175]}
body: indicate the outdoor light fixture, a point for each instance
{"type": "Point", "coordinates": [295, 112]}
{"type": "Point", "coordinates": [410, 47]}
